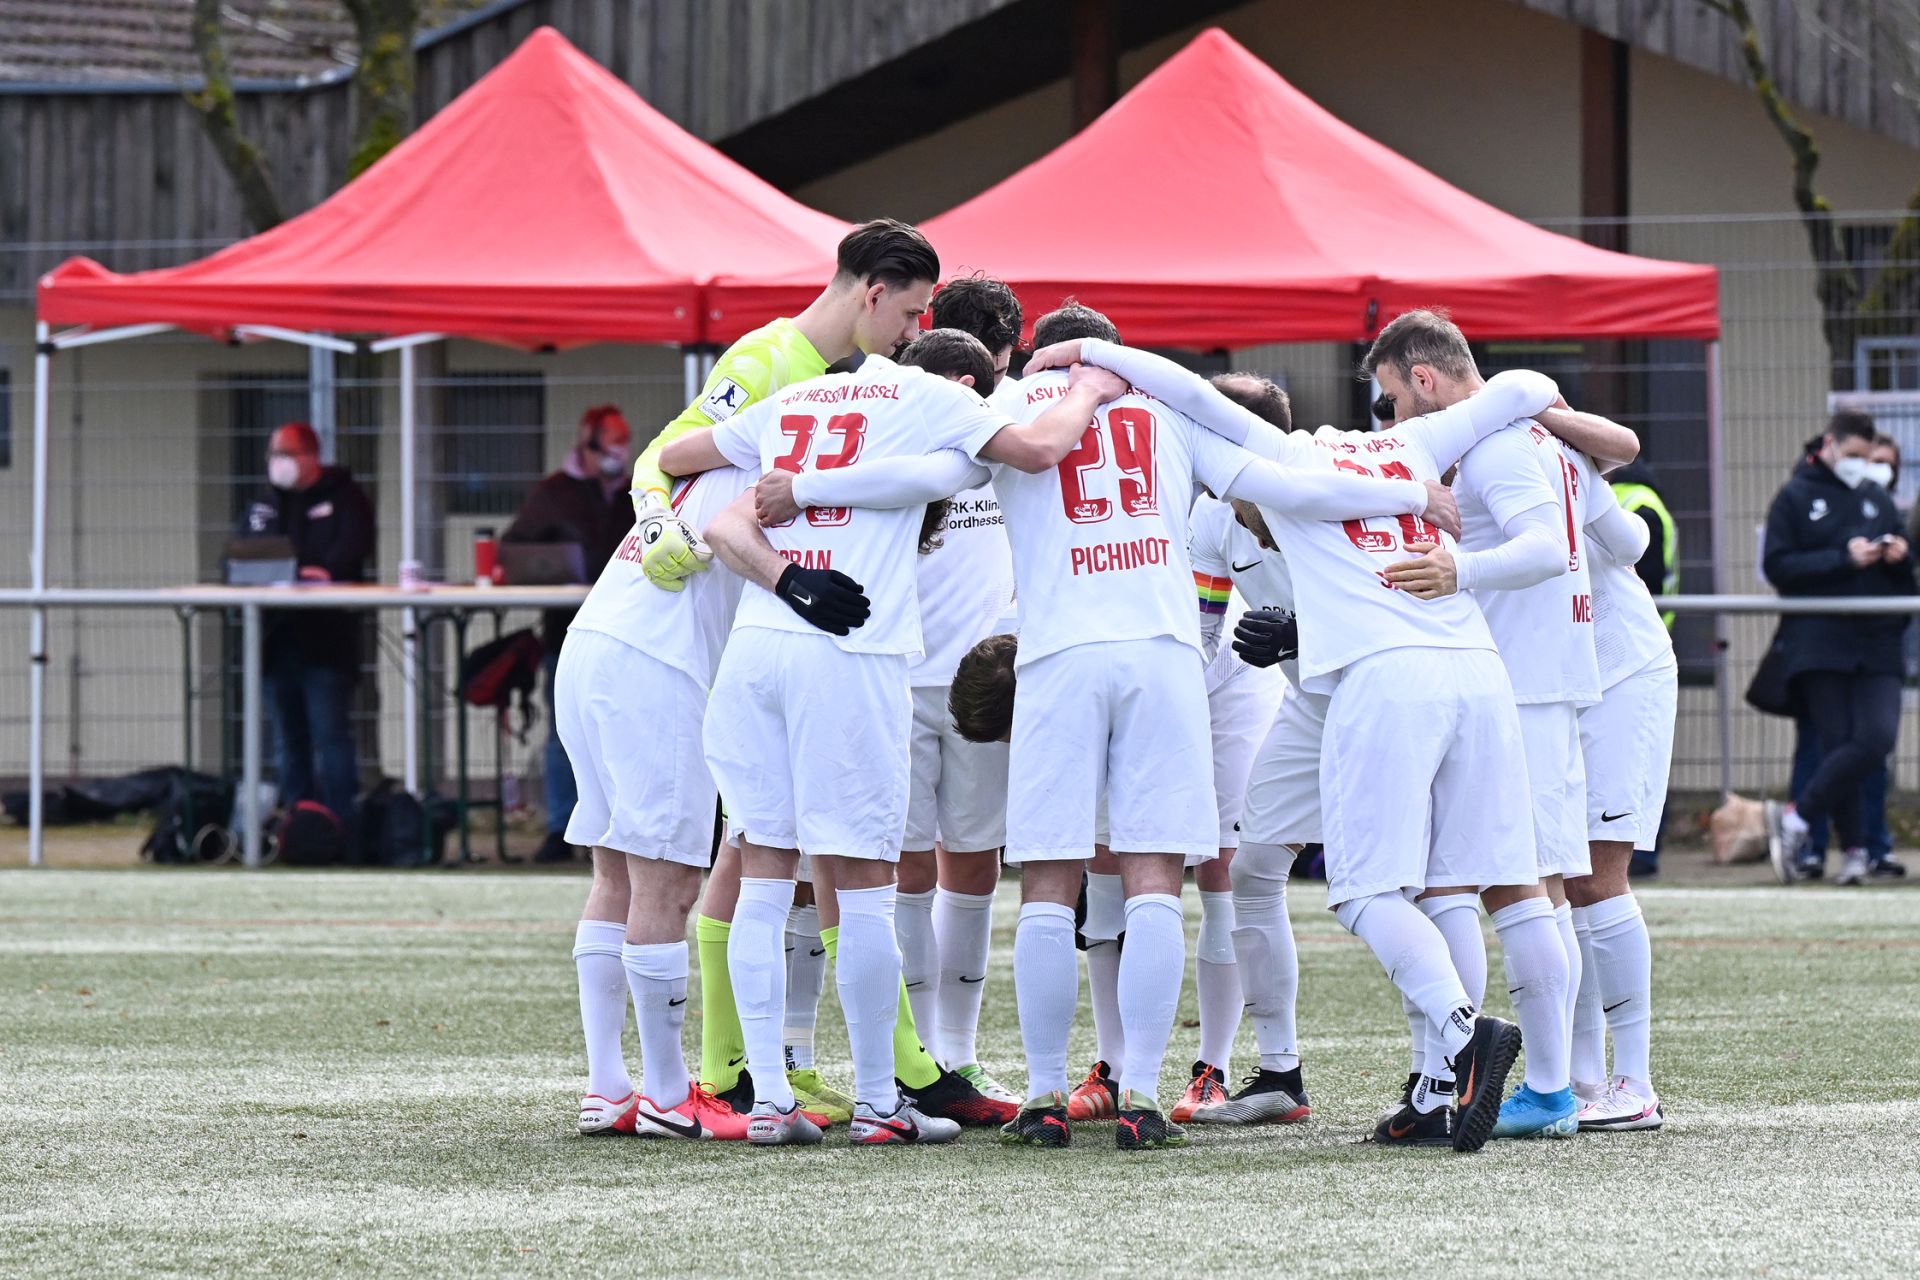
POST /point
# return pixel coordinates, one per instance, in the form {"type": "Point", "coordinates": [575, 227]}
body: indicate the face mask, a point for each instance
{"type": "Point", "coordinates": [1852, 471]}
{"type": "Point", "coordinates": [283, 472]}
{"type": "Point", "coordinates": [1881, 473]}
{"type": "Point", "coordinates": [613, 460]}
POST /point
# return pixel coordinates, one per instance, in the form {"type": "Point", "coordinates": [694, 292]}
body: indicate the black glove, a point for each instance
{"type": "Point", "coordinates": [827, 598]}
{"type": "Point", "coordinates": [1266, 636]}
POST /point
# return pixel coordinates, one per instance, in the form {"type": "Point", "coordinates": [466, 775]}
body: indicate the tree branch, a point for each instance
{"type": "Point", "coordinates": [244, 161]}
{"type": "Point", "coordinates": [383, 79]}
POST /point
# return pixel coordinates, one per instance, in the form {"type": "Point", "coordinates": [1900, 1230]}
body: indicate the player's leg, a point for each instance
{"type": "Point", "coordinates": [722, 1053]}
{"type": "Point", "coordinates": [1455, 912]}
{"type": "Point", "coordinates": [1216, 985]}
{"type": "Point", "coordinates": [972, 804]}
{"type": "Point", "coordinates": [1395, 721]}
{"type": "Point", "coordinates": [913, 927]}
{"type": "Point", "coordinates": [1162, 814]}
{"type": "Point", "coordinates": [608, 1105]}
{"type": "Point", "coordinates": [1097, 1096]}
{"type": "Point", "coordinates": [1056, 770]}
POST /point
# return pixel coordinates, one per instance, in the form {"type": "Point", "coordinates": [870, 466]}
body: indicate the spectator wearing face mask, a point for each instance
{"type": "Point", "coordinates": [1833, 531]}
{"type": "Point", "coordinates": [310, 659]}
{"type": "Point", "coordinates": [585, 502]}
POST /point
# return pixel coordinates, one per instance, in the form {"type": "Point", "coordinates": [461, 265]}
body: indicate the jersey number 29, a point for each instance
{"type": "Point", "coordinates": [1131, 429]}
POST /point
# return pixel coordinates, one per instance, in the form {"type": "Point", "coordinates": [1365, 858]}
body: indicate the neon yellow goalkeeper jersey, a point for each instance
{"type": "Point", "coordinates": [773, 356]}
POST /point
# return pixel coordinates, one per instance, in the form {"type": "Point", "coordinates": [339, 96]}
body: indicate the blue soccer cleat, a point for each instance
{"type": "Point", "coordinates": [1526, 1114]}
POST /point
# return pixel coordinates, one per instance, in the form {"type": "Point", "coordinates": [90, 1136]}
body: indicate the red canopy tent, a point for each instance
{"type": "Point", "coordinates": [1215, 205]}
{"type": "Point", "coordinates": [546, 205]}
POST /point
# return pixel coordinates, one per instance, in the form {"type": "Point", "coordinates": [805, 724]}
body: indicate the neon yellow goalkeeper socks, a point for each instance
{"type": "Point", "coordinates": [722, 1050]}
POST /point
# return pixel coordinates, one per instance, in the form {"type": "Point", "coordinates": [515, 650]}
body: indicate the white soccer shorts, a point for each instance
{"type": "Point", "coordinates": [1283, 789]}
{"type": "Point", "coordinates": [1126, 716]}
{"type": "Point", "coordinates": [1423, 779]}
{"type": "Point", "coordinates": [1628, 742]}
{"type": "Point", "coordinates": [631, 727]}
{"type": "Point", "coordinates": [1558, 779]}
{"type": "Point", "coordinates": [958, 791]}
{"type": "Point", "coordinates": [809, 743]}
{"type": "Point", "coordinates": [1240, 710]}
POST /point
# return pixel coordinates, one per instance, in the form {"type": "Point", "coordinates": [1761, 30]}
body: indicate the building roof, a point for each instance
{"type": "Point", "coordinates": [101, 43]}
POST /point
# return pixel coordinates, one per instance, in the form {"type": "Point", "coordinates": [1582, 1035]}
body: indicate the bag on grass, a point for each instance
{"type": "Point", "coordinates": [393, 827]}
{"type": "Point", "coordinates": [192, 803]}
{"type": "Point", "coordinates": [311, 835]}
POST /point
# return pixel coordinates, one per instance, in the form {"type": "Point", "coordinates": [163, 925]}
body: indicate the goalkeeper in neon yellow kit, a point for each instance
{"type": "Point", "coordinates": [881, 287]}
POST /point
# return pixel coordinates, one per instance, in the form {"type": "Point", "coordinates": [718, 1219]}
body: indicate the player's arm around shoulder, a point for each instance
{"type": "Point", "coordinates": [1043, 443]}
{"type": "Point", "coordinates": [825, 598]}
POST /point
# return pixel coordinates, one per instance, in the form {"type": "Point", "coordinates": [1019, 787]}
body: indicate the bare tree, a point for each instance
{"type": "Point", "coordinates": [383, 85]}
{"type": "Point", "coordinates": [1850, 306]}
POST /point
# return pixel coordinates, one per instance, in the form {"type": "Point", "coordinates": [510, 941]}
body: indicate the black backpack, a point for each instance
{"type": "Point", "coordinates": [312, 835]}
{"type": "Point", "coordinates": [394, 827]}
{"type": "Point", "coordinates": [192, 803]}
{"type": "Point", "coordinates": [493, 674]}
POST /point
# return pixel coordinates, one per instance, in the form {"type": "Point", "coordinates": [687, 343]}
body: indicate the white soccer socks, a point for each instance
{"type": "Point", "coordinates": [1536, 963]}
{"type": "Point", "coordinates": [756, 965]}
{"type": "Point", "coordinates": [1414, 954]}
{"type": "Point", "coordinates": [1588, 1061]}
{"type": "Point", "coordinates": [1457, 917]}
{"type": "Point", "coordinates": [1106, 921]}
{"type": "Point", "coordinates": [1216, 980]}
{"type": "Point", "coordinates": [806, 978]}
{"type": "Point", "coordinates": [919, 955]}
{"type": "Point", "coordinates": [1623, 954]}
{"type": "Point", "coordinates": [1046, 984]}
{"type": "Point", "coordinates": [657, 977]}
{"type": "Point", "coordinates": [867, 973]}
{"type": "Point", "coordinates": [603, 1005]}
{"type": "Point", "coordinates": [1151, 967]}
{"type": "Point", "coordinates": [1570, 943]}
{"type": "Point", "coordinates": [963, 926]}
{"type": "Point", "coordinates": [1263, 945]}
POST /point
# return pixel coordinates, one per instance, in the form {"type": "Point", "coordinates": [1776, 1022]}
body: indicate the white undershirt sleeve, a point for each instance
{"type": "Point", "coordinates": [881, 483]}
{"type": "Point", "coordinates": [1315, 494]}
{"type": "Point", "coordinates": [1448, 434]}
{"type": "Point", "coordinates": [1535, 550]}
{"type": "Point", "coordinates": [1616, 536]}
{"type": "Point", "coordinates": [1194, 396]}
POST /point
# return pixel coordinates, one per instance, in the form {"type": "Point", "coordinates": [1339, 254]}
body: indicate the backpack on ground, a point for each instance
{"type": "Point", "coordinates": [394, 827]}
{"type": "Point", "coordinates": [312, 835]}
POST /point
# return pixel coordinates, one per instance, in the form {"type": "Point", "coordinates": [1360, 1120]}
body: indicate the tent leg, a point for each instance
{"type": "Point", "coordinates": [409, 557]}
{"type": "Point", "coordinates": [1716, 471]}
{"type": "Point", "coordinates": [37, 643]}
{"type": "Point", "coordinates": [252, 712]}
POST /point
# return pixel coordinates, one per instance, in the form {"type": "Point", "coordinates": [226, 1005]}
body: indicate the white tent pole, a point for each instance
{"type": "Point", "coordinates": [410, 706]}
{"type": "Point", "coordinates": [1717, 504]}
{"type": "Point", "coordinates": [37, 644]}
{"type": "Point", "coordinates": [690, 374]}
{"type": "Point", "coordinates": [87, 336]}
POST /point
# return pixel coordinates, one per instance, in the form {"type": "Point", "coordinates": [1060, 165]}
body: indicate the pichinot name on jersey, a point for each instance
{"type": "Point", "coordinates": [1114, 557]}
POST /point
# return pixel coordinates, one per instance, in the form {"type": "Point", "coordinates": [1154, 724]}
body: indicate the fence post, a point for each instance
{"type": "Point", "coordinates": [250, 713]}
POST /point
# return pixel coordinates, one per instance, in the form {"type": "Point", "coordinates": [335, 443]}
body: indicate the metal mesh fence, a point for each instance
{"type": "Point", "coordinates": [158, 443]}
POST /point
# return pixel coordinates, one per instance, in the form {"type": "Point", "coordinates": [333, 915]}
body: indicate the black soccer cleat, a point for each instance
{"type": "Point", "coordinates": [1480, 1071]}
{"type": "Point", "coordinates": [952, 1096]}
{"type": "Point", "coordinates": [1042, 1122]}
{"type": "Point", "coordinates": [1409, 1128]}
{"type": "Point", "coordinates": [1265, 1097]}
{"type": "Point", "coordinates": [740, 1096]}
{"type": "Point", "coordinates": [1144, 1128]}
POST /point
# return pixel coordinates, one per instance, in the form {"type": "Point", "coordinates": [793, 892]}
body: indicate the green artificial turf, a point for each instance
{"type": "Point", "coordinates": [217, 1073]}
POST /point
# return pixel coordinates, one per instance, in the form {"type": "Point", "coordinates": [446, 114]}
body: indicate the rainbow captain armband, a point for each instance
{"type": "Point", "coordinates": [1214, 592]}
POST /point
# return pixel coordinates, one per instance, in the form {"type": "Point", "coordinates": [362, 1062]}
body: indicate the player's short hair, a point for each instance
{"type": "Point", "coordinates": [887, 250]}
{"type": "Point", "coordinates": [1261, 395]}
{"type": "Point", "coordinates": [1851, 424]}
{"type": "Point", "coordinates": [305, 438]}
{"type": "Point", "coordinates": [982, 306]}
{"type": "Point", "coordinates": [1421, 337]}
{"type": "Point", "coordinates": [950, 353]}
{"type": "Point", "coordinates": [1070, 320]}
{"type": "Point", "coordinates": [980, 699]}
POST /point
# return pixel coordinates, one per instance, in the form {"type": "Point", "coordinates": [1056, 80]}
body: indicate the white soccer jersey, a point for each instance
{"type": "Point", "coordinates": [964, 584]}
{"type": "Point", "coordinates": [1228, 557]}
{"type": "Point", "coordinates": [685, 629]}
{"type": "Point", "coordinates": [1100, 541]}
{"type": "Point", "coordinates": [1545, 631]}
{"type": "Point", "coordinates": [881, 411]}
{"type": "Point", "coordinates": [1627, 631]}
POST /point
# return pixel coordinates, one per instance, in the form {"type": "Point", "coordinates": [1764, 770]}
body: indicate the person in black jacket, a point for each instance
{"type": "Point", "coordinates": [586, 502]}
{"type": "Point", "coordinates": [1833, 532]}
{"type": "Point", "coordinates": [311, 658]}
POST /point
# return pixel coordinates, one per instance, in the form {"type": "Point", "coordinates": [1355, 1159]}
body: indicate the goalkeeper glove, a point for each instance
{"type": "Point", "coordinates": [671, 550]}
{"type": "Point", "coordinates": [1266, 636]}
{"type": "Point", "coordinates": [827, 598]}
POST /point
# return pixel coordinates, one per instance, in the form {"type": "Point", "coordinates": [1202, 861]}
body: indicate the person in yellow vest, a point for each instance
{"type": "Point", "coordinates": [1659, 568]}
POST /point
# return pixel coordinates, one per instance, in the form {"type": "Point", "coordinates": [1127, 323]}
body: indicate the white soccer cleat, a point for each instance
{"type": "Point", "coordinates": [905, 1126]}
{"type": "Point", "coordinates": [769, 1126]}
{"type": "Point", "coordinates": [1628, 1105]}
{"type": "Point", "coordinates": [608, 1115]}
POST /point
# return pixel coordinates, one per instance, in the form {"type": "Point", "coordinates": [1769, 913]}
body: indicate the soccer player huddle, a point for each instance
{"type": "Point", "coordinates": [898, 616]}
